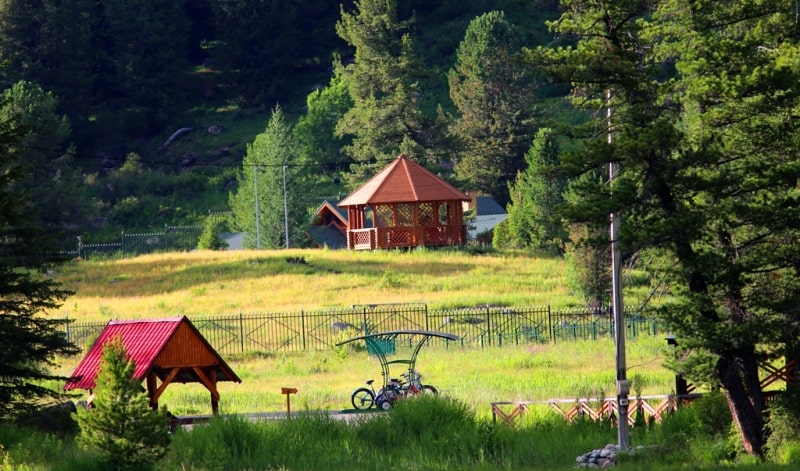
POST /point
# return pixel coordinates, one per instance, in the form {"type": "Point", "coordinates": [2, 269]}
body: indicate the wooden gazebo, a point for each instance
{"type": "Point", "coordinates": [164, 351]}
{"type": "Point", "coordinates": [405, 205]}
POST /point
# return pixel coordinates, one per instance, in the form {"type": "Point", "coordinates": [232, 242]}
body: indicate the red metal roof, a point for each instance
{"type": "Point", "coordinates": [143, 339]}
{"type": "Point", "coordinates": [403, 181]}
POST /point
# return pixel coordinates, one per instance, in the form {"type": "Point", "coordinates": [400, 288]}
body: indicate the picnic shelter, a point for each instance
{"type": "Point", "coordinates": [165, 351]}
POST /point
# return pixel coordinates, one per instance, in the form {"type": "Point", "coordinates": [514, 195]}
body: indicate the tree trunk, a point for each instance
{"type": "Point", "coordinates": [738, 375]}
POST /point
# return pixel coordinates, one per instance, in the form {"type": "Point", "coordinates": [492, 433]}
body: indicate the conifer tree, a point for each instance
{"type": "Point", "coordinates": [494, 95]}
{"type": "Point", "coordinates": [384, 82]}
{"type": "Point", "coordinates": [273, 155]}
{"type": "Point", "coordinates": [702, 146]}
{"type": "Point", "coordinates": [121, 426]}
{"type": "Point", "coordinates": [211, 237]}
{"type": "Point", "coordinates": [536, 194]}
{"type": "Point", "coordinates": [30, 341]}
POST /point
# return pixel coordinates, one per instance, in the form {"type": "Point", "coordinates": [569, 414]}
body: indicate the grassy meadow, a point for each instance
{"type": "Point", "coordinates": [452, 432]}
{"type": "Point", "coordinates": [208, 282]}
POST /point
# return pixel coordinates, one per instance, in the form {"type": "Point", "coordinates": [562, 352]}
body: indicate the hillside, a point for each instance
{"type": "Point", "coordinates": [209, 283]}
{"type": "Point", "coordinates": [160, 122]}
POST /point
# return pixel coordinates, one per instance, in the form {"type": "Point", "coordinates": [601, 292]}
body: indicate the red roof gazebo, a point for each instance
{"type": "Point", "coordinates": [404, 205]}
{"type": "Point", "coordinates": [163, 350]}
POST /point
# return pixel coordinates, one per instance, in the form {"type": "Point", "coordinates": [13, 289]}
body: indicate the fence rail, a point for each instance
{"type": "Point", "coordinates": [320, 330]}
{"type": "Point", "coordinates": [132, 244]}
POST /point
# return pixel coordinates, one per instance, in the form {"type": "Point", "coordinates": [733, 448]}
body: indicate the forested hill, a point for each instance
{"type": "Point", "coordinates": [144, 110]}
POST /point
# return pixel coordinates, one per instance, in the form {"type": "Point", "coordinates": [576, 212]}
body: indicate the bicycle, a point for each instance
{"type": "Point", "coordinates": [364, 398]}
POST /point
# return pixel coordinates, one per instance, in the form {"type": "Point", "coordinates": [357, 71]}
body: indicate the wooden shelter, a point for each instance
{"type": "Point", "coordinates": [164, 351]}
{"type": "Point", "coordinates": [404, 205]}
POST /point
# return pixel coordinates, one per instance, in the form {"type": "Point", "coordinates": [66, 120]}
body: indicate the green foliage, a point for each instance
{"type": "Point", "coordinates": [315, 130]}
{"type": "Point", "coordinates": [699, 157]}
{"type": "Point", "coordinates": [589, 264]}
{"type": "Point", "coordinates": [211, 238]}
{"type": "Point", "coordinates": [270, 200]}
{"type": "Point", "coordinates": [384, 83]}
{"type": "Point", "coordinates": [31, 341]}
{"type": "Point", "coordinates": [121, 427]}
{"type": "Point", "coordinates": [536, 194]}
{"type": "Point", "coordinates": [783, 427]}
{"type": "Point", "coordinates": [494, 96]}
{"type": "Point", "coordinates": [50, 162]}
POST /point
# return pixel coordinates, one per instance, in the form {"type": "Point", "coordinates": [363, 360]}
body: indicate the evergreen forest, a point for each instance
{"type": "Point", "coordinates": [140, 115]}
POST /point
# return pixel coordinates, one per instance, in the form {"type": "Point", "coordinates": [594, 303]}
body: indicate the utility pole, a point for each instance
{"type": "Point", "coordinates": [285, 210]}
{"type": "Point", "coordinates": [255, 191]}
{"type": "Point", "coordinates": [623, 385]}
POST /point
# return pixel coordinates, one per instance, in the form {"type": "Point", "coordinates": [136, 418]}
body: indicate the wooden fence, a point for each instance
{"type": "Point", "coordinates": [645, 409]}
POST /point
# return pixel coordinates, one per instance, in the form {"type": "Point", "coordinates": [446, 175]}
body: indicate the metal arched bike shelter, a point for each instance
{"type": "Point", "coordinates": [377, 341]}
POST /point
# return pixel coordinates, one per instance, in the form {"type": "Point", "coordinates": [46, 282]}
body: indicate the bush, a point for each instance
{"type": "Point", "coordinates": [783, 428]}
{"type": "Point", "coordinates": [211, 238]}
{"type": "Point", "coordinates": [121, 427]}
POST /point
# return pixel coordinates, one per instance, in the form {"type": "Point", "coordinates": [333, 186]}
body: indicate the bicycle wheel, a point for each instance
{"type": "Point", "coordinates": [362, 398]}
{"type": "Point", "coordinates": [428, 389]}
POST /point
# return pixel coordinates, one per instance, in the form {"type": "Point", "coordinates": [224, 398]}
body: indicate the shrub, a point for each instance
{"type": "Point", "coordinates": [783, 427]}
{"type": "Point", "coordinates": [211, 238]}
{"type": "Point", "coordinates": [121, 427]}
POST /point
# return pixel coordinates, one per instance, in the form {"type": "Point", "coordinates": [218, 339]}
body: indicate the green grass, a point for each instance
{"type": "Point", "coordinates": [208, 283]}
{"type": "Point", "coordinates": [454, 433]}
{"type": "Point", "coordinates": [425, 433]}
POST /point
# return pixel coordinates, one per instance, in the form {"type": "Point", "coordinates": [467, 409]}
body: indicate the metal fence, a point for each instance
{"type": "Point", "coordinates": [320, 330]}
{"type": "Point", "coordinates": [181, 238]}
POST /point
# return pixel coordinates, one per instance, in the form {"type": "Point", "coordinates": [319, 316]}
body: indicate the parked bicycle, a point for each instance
{"type": "Point", "coordinates": [366, 397]}
{"type": "Point", "coordinates": [393, 389]}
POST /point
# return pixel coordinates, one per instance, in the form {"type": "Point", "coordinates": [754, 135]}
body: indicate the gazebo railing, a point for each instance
{"type": "Point", "coordinates": [362, 239]}
{"type": "Point", "coordinates": [396, 237]}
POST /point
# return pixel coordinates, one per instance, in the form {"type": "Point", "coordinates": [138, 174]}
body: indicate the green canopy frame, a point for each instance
{"type": "Point", "coordinates": [376, 342]}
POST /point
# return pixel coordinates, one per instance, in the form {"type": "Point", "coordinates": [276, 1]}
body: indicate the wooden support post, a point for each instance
{"type": "Point", "coordinates": [151, 390]}
{"type": "Point", "coordinates": [287, 392]}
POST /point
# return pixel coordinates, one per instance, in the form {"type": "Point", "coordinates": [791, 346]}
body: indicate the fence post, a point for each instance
{"type": "Point", "coordinates": [122, 242]}
{"type": "Point", "coordinates": [303, 327]}
{"type": "Point", "coordinates": [488, 326]}
{"type": "Point", "coordinates": [80, 240]}
{"type": "Point", "coordinates": [241, 330]}
{"type": "Point", "coordinates": [550, 325]}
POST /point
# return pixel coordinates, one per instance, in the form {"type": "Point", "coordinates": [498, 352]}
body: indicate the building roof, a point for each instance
{"type": "Point", "coordinates": [330, 208]}
{"type": "Point", "coordinates": [403, 181]}
{"type": "Point", "coordinates": [480, 224]}
{"type": "Point", "coordinates": [327, 236]}
{"type": "Point", "coordinates": [486, 205]}
{"type": "Point", "coordinates": [153, 344]}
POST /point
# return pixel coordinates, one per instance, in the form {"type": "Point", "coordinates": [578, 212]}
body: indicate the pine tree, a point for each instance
{"type": "Point", "coordinates": [702, 142]}
{"type": "Point", "coordinates": [384, 82]}
{"type": "Point", "coordinates": [536, 194]}
{"type": "Point", "coordinates": [121, 426]}
{"type": "Point", "coordinates": [271, 160]}
{"type": "Point", "coordinates": [494, 95]}
{"type": "Point", "coordinates": [211, 237]}
{"type": "Point", "coordinates": [31, 341]}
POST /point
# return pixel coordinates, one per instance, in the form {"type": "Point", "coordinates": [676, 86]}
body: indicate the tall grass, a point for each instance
{"type": "Point", "coordinates": [425, 433]}
{"type": "Point", "coordinates": [476, 377]}
{"type": "Point", "coordinates": [207, 282]}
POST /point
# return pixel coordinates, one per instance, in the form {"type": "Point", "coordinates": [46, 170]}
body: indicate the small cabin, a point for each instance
{"type": "Point", "coordinates": [404, 205]}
